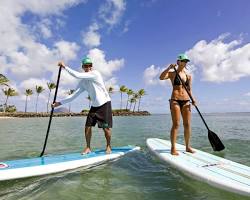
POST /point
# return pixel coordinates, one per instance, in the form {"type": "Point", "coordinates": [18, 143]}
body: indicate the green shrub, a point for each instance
{"type": "Point", "coordinates": [11, 108]}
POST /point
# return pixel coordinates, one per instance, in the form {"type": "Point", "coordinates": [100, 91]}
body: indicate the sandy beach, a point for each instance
{"type": "Point", "coordinates": [4, 117]}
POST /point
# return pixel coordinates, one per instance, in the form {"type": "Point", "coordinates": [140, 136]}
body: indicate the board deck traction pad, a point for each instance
{"type": "Point", "coordinates": [231, 171]}
{"type": "Point", "coordinates": [53, 159]}
{"type": "Point", "coordinates": [49, 164]}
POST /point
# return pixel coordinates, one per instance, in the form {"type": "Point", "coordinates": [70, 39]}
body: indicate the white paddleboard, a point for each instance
{"type": "Point", "coordinates": [214, 170]}
{"type": "Point", "coordinates": [23, 168]}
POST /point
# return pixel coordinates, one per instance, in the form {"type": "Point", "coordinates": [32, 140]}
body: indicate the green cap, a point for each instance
{"type": "Point", "coordinates": [86, 60]}
{"type": "Point", "coordinates": [183, 56]}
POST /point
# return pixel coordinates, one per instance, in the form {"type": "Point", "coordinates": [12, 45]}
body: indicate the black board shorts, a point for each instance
{"type": "Point", "coordinates": [101, 115]}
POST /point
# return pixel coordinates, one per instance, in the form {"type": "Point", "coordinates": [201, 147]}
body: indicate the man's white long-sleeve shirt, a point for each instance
{"type": "Point", "coordinates": [91, 82]}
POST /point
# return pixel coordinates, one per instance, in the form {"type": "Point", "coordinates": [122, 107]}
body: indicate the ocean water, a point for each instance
{"type": "Point", "coordinates": [137, 176]}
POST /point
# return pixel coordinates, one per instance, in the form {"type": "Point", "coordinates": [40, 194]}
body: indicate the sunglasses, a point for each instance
{"type": "Point", "coordinates": [86, 66]}
{"type": "Point", "coordinates": [185, 61]}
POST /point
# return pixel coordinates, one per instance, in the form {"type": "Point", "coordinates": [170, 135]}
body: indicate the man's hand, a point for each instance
{"type": "Point", "coordinates": [61, 64]}
{"type": "Point", "coordinates": [56, 104]}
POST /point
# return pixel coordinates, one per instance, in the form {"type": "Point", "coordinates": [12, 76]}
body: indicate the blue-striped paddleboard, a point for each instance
{"type": "Point", "coordinates": [49, 164]}
{"type": "Point", "coordinates": [214, 170]}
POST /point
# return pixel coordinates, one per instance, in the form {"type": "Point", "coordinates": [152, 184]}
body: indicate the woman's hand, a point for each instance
{"type": "Point", "coordinates": [194, 103]}
{"type": "Point", "coordinates": [165, 74]}
{"type": "Point", "coordinates": [56, 104]}
{"type": "Point", "coordinates": [61, 64]}
{"type": "Point", "coordinates": [172, 66]}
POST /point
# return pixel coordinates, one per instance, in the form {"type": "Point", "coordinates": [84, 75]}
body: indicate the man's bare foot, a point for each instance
{"type": "Point", "coordinates": [190, 150]}
{"type": "Point", "coordinates": [86, 150]}
{"type": "Point", "coordinates": [108, 150]}
{"type": "Point", "coordinates": [174, 152]}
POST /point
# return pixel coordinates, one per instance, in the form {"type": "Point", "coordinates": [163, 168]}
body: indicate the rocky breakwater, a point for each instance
{"type": "Point", "coordinates": [45, 114]}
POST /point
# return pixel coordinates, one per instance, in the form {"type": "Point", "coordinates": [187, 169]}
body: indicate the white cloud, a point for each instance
{"type": "Point", "coordinates": [106, 68]}
{"type": "Point", "coordinates": [112, 82]}
{"type": "Point", "coordinates": [151, 76]}
{"type": "Point", "coordinates": [3, 64]}
{"type": "Point", "coordinates": [62, 93]}
{"type": "Point", "coordinates": [44, 27]}
{"type": "Point", "coordinates": [126, 26]}
{"type": "Point", "coordinates": [66, 79]}
{"type": "Point", "coordinates": [32, 82]}
{"type": "Point", "coordinates": [37, 59]}
{"type": "Point", "coordinates": [112, 11]}
{"type": "Point", "coordinates": [221, 61]}
{"type": "Point", "coordinates": [244, 103]}
{"type": "Point", "coordinates": [247, 94]}
{"type": "Point", "coordinates": [92, 38]}
{"type": "Point", "coordinates": [21, 52]}
{"type": "Point", "coordinates": [66, 50]}
{"type": "Point", "coordinates": [40, 7]}
{"type": "Point", "coordinates": [25, 58]}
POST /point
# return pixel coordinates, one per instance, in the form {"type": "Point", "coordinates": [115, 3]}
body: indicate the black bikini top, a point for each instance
{"type": "Point", "coordinates": [177, 81]}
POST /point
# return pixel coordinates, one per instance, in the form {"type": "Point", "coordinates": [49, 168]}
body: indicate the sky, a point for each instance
{"type": "Point", "coordinates": [130, 42]}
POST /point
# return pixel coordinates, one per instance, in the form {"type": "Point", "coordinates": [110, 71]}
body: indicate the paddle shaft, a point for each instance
{"type": "Point", "coordinates": [52, 111]}
{"type": "Point", "coordinates": [189, 94]}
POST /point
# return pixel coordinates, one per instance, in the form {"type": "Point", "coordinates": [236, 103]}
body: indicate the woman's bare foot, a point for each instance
{"type": "Point", "coordinates": [174, 152]}
{"type": "Point", "coordinates": [108, 150]}
{"type": "Point", "coordinates": [190, 150]}
{"type": "Point", "coordinates": [86, 150]}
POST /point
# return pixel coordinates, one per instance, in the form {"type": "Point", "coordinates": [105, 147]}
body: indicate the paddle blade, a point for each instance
{"type": "Point", "coordinates": [215, 141]}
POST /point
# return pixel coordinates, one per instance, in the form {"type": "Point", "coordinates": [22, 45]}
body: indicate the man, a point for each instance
{"type": "Point", "coordinates": [100, 112]}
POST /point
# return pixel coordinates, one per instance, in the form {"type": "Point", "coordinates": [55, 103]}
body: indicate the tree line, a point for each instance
{"type": "Point", "coordinates": [133, 98]}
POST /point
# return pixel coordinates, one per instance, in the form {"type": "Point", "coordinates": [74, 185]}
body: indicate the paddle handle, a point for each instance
{"type": "Point", "coordinates": [52, 111]}
{"type": "Point", "coordinates": [189, 94]}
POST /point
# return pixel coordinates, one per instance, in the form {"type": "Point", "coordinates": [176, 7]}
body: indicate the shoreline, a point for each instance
{"type": "Point", "coordinates": [85, 113]}
{"type": "Point", "coordinates": [6, 117]}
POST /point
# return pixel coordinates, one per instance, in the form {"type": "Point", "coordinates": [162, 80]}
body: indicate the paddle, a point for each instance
{"type": "Point", "coordinates": [52, 111]}
{"type": "Point", "coordinates": [214, 140]}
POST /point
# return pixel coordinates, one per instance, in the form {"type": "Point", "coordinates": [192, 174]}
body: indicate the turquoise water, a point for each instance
{"type": "Point", "coordinates": [136, 176]}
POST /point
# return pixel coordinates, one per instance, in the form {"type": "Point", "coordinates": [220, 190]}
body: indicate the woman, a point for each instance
{"type": "Point", "coordinates": [179, 102]}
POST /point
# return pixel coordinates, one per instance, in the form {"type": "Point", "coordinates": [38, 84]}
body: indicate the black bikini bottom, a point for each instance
{"type": "Point", "coordinates": [181, 103]}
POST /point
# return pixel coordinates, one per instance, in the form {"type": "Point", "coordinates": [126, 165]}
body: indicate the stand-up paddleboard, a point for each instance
{"type": "Point", "coordinates": [23, 168]}
{"type": "Point", "coordinates": [214, 170]}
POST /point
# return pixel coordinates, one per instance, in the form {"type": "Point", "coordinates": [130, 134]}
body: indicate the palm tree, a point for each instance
{"type": "Point", "coordinates": [131, 101]}
{"type": "Point", "coordinates": [123, 89]}
{"type": "Point", "coordinates": [135, 96]}
{"type": "Point", "coordinates": [69, 93]}
{"type": "Point", "coordinates": [3, 80]}
{"type": "Point", "coordinates": [51, 86]}
{"type": "Point", "coordinates": [141, 93]}
{"type": "Point", "coordinates": [110, 90]}
{"type": "Point", "coordinates": [28, 92]}
{"type": "Point", "coordinates": [39, 90]}
{"type": "Point", "coordinates": [10, 92]}
{"type": "Point", "coordinates": [129, 93]}
{"type": "Point", "coordinates": [88, 97]}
